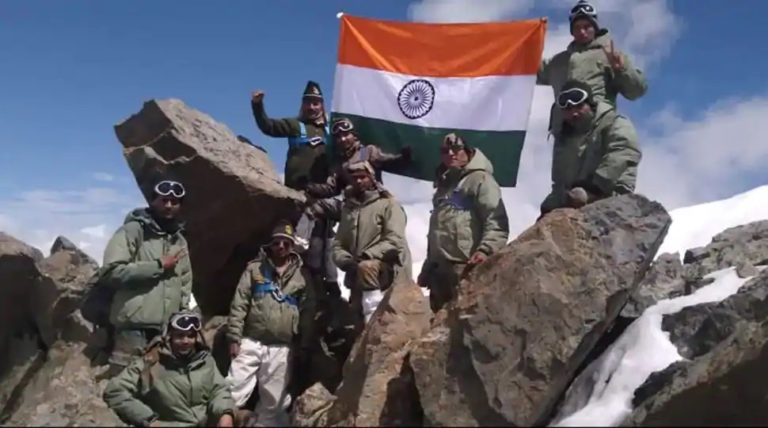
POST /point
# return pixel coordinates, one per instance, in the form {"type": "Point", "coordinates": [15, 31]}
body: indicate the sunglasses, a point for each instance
{"type": "Point", "coordinates": [281, 243]}
{"type": "Point", "coordinates": [582, 9]}
{"type": "Point", "coordinates": [572, 97]}
{"type": "Point", "coordinates": [186, 323]}
{"type": "Point", "coordinates": [167, 187]}
{"type": "Point", "coordinates": [342, 126]}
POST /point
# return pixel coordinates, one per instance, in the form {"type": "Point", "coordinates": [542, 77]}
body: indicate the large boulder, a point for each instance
{"type": "Point", "coordinates": [725, 346]}
{"type": "Point", "coordinates": [664, 280]}
{"type": "Point", "coordinates": [378, 387]}
{"type": "Point", "coordinates": [63, 392]}
{"type": "Point", "coordinates": [524, 322]}
{"type": "Point", "coordinates": [234, 194]}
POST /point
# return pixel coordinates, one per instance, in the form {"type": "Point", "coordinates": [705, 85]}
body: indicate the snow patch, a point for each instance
{"type": "Point", "coordinates": [644, 348]}
{"type": "Point", "coordinates": [695, 226]}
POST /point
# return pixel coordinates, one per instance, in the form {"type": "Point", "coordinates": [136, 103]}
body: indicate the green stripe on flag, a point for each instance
{"type": "Point", "coordinates": [502, 148]}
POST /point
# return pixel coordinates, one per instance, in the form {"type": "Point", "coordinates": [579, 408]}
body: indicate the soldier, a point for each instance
{"type": "Point", "coordinates": [370, 246]}
{"type": "Point", "coordinates": [307, 163]}
{"type": "Point", "coordinates": [351, 150]}
{"type": "Point", "coordinates": [147, 265]}
{"type": "Point", "coordinates": [273, 298]}
{"type": "Point", "coordinates": [175, 383]}
{"type": "Point", "coordinates": [596, 154]}
{"type": "Point", "coordinates": [468, 221]}
{"type": "Point", "coordinates": [591, 58]}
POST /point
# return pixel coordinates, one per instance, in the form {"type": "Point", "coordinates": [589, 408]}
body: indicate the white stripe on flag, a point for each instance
{"type": "Point", "coordinates": [489, 103]}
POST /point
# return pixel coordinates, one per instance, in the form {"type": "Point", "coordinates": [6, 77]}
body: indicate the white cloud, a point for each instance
{"type": "Point", "coordinates": [103, 176]}
{"type": "Point", "coordinates": [465, 10]}
{"type": "Point", "coordinates": [87, 216]}
{"type": "Point", "coordinates": [98, 232]}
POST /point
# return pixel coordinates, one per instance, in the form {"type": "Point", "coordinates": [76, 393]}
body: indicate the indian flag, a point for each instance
{"type": "Point", "coordinates": [409, 84]}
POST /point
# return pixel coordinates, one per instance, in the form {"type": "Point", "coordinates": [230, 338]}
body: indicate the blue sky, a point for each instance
{"type": "Point", "coordinates": [71, 70]}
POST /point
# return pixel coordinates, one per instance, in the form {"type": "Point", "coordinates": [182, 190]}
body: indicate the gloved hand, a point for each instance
{"type": "Point", "coordinates": [577, 197]}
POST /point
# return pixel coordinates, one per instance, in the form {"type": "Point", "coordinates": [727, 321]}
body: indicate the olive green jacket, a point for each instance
{"type": "Point", "coordinates": [602, 159]}
{"type": "Point", "coordinates": [145, 294]}
{"type": "Point", "coordinates": [175, 392]}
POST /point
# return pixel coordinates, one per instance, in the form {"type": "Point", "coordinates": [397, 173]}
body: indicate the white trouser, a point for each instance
{"type": "Point", "coordinates": [267, 367]}
{"type": "Point", "coordinates": [371, 300]}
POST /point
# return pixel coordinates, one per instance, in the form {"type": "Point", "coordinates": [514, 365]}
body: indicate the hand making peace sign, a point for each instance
{"type": "Point", "coordinates": [614, 58]}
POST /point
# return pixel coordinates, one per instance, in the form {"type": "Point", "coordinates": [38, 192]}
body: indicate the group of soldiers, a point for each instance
{"type": "Point", "coordinates": [162, 372]}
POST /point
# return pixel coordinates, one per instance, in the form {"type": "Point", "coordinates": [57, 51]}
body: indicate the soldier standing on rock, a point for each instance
{"type": "Point", "coordinates": [592, 59]}
{"type": "Point", "coordinates": [370, 246]}
{"type": "Point", "coordinates": [146, 263]}
{"type": "Point", "coordinates": [273, 304]}
{"type": "Point", "coordinates": [176, 383]}
{"type": "Point", "coordinates": [596, 153]}
{"type": "Point", "coordinates": [307, 162]}
{"type": "Point", "coordinates": [468, 221]}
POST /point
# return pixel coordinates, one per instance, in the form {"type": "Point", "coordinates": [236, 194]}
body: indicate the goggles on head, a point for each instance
{"type": "Point", "coordinates": [343, 125]}
{"type": "Point", "coordinates": [167, 187]}
{"type": "Point", "coordinates": [582, 9]}
{"type": "Point", "coordinates": [185, 322]}
{"type": "Point", "coordinates": [572, 97]}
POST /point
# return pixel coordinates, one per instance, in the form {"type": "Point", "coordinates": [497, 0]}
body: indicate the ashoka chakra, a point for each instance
{"type": "Point", "coordinates": [416, 98]}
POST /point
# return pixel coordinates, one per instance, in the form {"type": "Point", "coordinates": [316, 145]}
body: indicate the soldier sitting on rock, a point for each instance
{"type": "Point", "coordinates": [596, 153]}
{"type": "Point", "coordinates": [370, 245]}
{"type": "Point", "coordinates": [175, 383]}
{"type": "Point", "coordinates": [273, 298]}
{"type": "Point", "coordinates": [146, 263]}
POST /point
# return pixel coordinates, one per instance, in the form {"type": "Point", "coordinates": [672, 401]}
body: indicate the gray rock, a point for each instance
{"type": "Point", "coordinates": [726, 346]}
{"type": "Point", "coordinates": [378, 387]}
{"type": "Point", "coordinates": [234, 194]}
{"type": "Point", "coordinates": [738, 245]}
{"type": "Point", "coordinates": [64, 392]}
{"type": "Point", "coordinates": [505, 352]}
{"type": "Point", "coordinates": [663, 281]}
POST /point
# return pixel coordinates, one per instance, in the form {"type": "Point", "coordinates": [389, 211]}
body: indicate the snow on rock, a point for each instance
{"type": "Point", "coordinates": [695, 226]}
{"type": "Point", "coordinates": [642, 349]}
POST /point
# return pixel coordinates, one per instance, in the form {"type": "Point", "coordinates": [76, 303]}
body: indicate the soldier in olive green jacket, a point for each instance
{"type": "Point", "coordinates": [146, 263]}
{"type": "Point", "coordinates": [370, 245]}
{"type": "Point", "coordinates": [591, 58]}
{"type": "Point", "coordinates": [273, 303]}
{"type": "Point", "coordinates": [307, 160]}
{"type": "Point", "coordinates": [468, 221]}
{"type": "Point", "coordinates": [176, 383]}
{"type": "Point", "coordinates": [596, 154]}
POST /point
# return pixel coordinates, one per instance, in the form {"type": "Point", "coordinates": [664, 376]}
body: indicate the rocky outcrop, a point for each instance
{"type": "Point", "coordinates": [27, 328]}
{"type": "Point", "coordinates": [46, 373]}
{"type": "Point", "coordinates": [378, 387]}
{"type": "Point", "coordinates": [525, 321]}
{"type": "Point", "coordinates": [64, 392]}
{"type": "Point", "coordinates": [664, 280]}
{"type": "Point", "coordinates": [234, 194]}
{"type": "Point", "coordinates": [726, 349]}
{"type": "Point", "coordinates": [742, 245]}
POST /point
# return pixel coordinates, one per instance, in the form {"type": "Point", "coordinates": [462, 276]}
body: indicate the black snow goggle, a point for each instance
{"type": "Point", "coordinates": [582, 9]}
{"type": "Point", "coordinates": [186, 322]}
{"type": "Point", "coordinates": [167, 187]}
{"type": "Point", "coordinates": [342, 126]}
{"type": "Point", "coordinates": [572, 97]}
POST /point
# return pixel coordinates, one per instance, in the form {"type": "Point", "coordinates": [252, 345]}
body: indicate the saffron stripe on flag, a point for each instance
{"type": "Point", "coordinates": [491, 103]}
{"type": "Point", "coordinates": [443, 50]}
{"type": "Point", "coordinates": [502, 148]}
